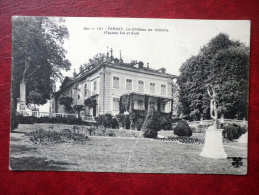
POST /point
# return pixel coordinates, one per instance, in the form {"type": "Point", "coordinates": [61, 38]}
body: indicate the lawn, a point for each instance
{"type": "Point", "coordinates": [128, 154]}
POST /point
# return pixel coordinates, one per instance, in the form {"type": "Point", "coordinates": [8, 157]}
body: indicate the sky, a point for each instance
{"type": "Point", "coordinates": [170, 48]}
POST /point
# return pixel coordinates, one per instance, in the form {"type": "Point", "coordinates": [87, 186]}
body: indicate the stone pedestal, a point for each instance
{"type": "Point", "coordinates": [213, 147]}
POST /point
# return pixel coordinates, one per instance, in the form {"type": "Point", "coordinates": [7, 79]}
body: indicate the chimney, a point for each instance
{"type": "Point", "coordinates": [163, 70]}
{"type": "Point", "coordinates": [81, 69]}
{"type": "Point", "coordinates": [111, 53]}
{"type": "Point", "coordinates": [74, 73]}
{"type": "Point", "coordinates": [140, 64]}
{"type": "Point", "coordinates": [148, 65]}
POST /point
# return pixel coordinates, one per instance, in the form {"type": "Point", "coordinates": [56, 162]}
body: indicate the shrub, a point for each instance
{"type": "Point", "coordinates": [71, 120]}
{"type": "Point", "coordinates": [42, 137]}
{"type": "Point", "coordinates": [166, 123]}
{"type": "Point", "coordinates": [152, 126]}
{"type": "Point", "coordinates": [182, 129]}
{"type": "Point", "coordinates": [232, 131]}
{"type": "Point", "coordinates": [105, 120]}
{"type": "Point", "coordinates": [26, 119]}
{"type": "Point", "coordinates": [243, 129]}
{"type": "Point", "coordinates": [111, 134]}
{"type": "Point", "coordinates": [14, 122]}
{"type": "Point", "coordinates": [115, 123]}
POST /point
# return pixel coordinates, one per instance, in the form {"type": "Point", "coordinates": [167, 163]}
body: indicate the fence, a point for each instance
{"type": "Point", "coordinates": [45, 114]}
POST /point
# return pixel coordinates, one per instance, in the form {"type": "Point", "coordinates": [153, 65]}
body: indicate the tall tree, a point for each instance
{"type": "Point", "coordinates": [221, 62]}
{"type": "Point", "coordinates": [38, 57]}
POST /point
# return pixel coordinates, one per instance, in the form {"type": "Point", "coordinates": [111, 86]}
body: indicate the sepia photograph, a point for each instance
{"type": "Point", "coordinates": [129, 95]}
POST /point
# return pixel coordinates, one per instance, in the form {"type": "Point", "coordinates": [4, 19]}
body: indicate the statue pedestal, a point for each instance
{"type": "Point", "coordinates": [213, 147]}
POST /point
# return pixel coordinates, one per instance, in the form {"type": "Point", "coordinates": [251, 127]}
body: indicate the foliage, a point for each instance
{"type": "Point", "coordinates": [121, 119]}
{"type": "Point", "coordinates": [54, 120]}
{"type": "Point", "coordinates": [78, 109]}
{"type": "Point", "coordinates": [35, 97]}
{"type": "Point", "coordinates": [115, 123]}
{"type": "Point", "coordinates": [232, 131]}
{"type": "Point", "coordinates": [166, 123]}
{"type": "Point", "coordinates": [182, 129]}
{"type": "Point", "coordinates": [67, 103]}
{"type": "Point", "coordinates": [26, 119]}
{"type": "Point", "coordinates": [138, 117]}
{"type": "Point", "coordinates": [224, 62]}
{"type": "Point", "coordinates": [153, 125]}
{"type": "Point", "coordinates": [124, 103]}
{"type": "Point", "coordinates": [38, 57]}
{"type": "Point", "coordinates": [14, 121]}
{"type": "Point", "coordinates": [105, 120]}
{"type": "Point", "coordinates": [91, 101]}
{"type": "Point", "coordinates": [42, 137]}
{"type": "Point", "coordinates": [186, 140]}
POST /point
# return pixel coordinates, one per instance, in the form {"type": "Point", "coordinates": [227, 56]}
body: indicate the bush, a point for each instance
{"type": "Point", "coordinates": [71, 120]}
{"type": "Point", "coordinates": [42, 137]}
{"type": "Point", "coordinates": [182, 129]}
{"type": "Point", "coordinates": [115, 123]}
{"type": "Point", "coordinates": [153, 126]}
{"type": "Point", "coordinates": [232, 131]}
{"type": "Point", "coordinates": [26, 119]}
{"type": "Point", "coordinates": [243, 129]}
{"type": "Point", "coordinates": [166, 123]}
{"type": "Point", "coordinates": [14, 122]}
{"type": "Point", "coordinates": [105, 120]}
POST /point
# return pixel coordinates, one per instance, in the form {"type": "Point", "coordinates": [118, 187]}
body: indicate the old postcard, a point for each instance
{"type": "Point", "coordinates": [129, 95]}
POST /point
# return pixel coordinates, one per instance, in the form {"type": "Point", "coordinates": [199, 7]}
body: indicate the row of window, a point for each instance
{"type": "Point", "coordinates": [152, 87]}
{"type": "Point", "coordinates": [140, 105]}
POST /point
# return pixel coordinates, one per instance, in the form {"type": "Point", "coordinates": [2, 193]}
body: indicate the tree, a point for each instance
{"type": "Point", "coordinates": [38, 57]}
{"type": "Point", "coordinates": [67, 103]}
{"type": "Point", "coordinates": [221, 62]}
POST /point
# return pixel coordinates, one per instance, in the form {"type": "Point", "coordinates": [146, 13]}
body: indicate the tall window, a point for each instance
{"type": "Point", "coordinates": [128, 84]}
{"type": "Point", "coordinates": [163, 89]}
{"type": "Point", "coordinates": [95, 85]}
{"type": "Point", "coordinates": [152, 87]}
{"type": "Point", "coordinates": [152, 104]}
{"type": "Point", "coordinates": [85, 89]}
{"type": "Point", "coordinates": [116, 104]}
{"type": "Point", "coordinates": [162, 107]}
{"type": "Point", "coordinates": [140, 105]}
{"type": "Point", "coordinates": [116, 81]}
{"type": "Point", "coordinates": [79, 92]}
{"type": "Point", "coordinates": [140, 86]}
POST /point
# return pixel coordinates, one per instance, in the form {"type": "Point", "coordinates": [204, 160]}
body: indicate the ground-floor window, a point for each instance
{"type": "Point", "coordinates": [140, 105]}
{"type": "Point", "coordinates": [116, 102]}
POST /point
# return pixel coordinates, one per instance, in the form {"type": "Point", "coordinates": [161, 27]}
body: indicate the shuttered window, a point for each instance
{"type": "Point", "coordinates": [116, 81]}
{"type": "Point", "coordinates": [116, 104]}
{"type": "Point", "coordinates": [140, 86]}
{"type": "Point", "coordinates": [128, 84]}
{"type": "Point", "coordinates": [85, 89]}
{"type": "Point", "coordinates": [152, 87]}
{"type": "Point", "coordinates": [140, 105]}
{"type": "Point", "coordinates": [163, 89]}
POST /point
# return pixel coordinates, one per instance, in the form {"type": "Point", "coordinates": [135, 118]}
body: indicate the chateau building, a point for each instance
{"type": "Point", "coordinates": [106, 79]}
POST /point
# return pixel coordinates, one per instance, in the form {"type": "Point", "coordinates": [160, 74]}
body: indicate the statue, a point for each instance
{"type": "Point", "coordinates": [213, 146]}
{"type": "Point", "coordinates": [213, 105]}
